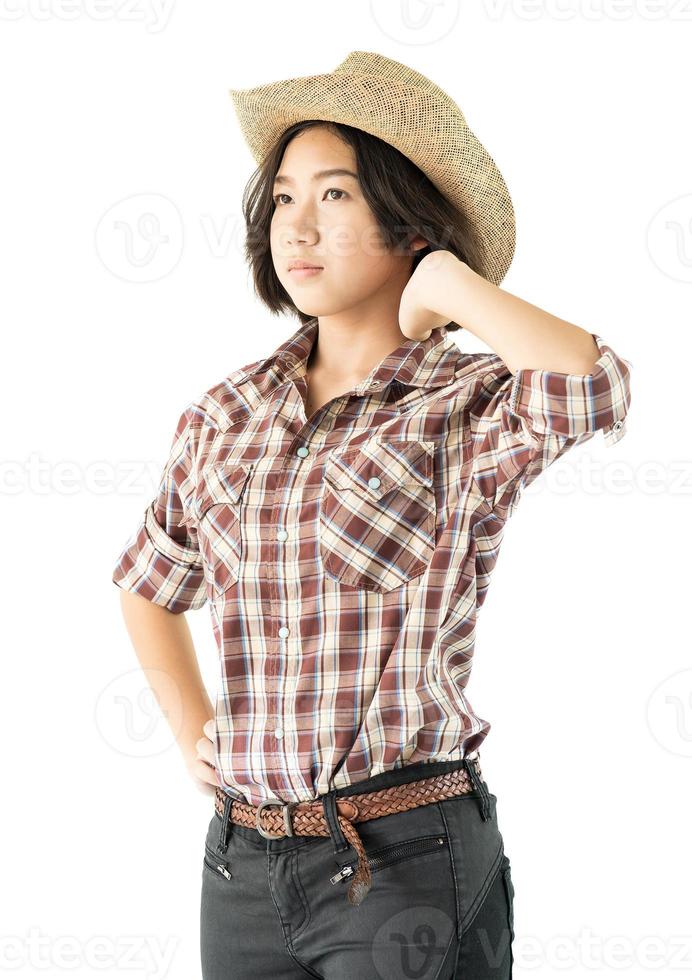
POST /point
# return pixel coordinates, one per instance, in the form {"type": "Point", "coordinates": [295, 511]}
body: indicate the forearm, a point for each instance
{"type": "Point", "coordinates": [163, 645]}
{"type": "Point", "coordinates": [523, 335]}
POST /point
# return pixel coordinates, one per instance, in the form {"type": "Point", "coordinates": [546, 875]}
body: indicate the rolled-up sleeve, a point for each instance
{"type": "Point", "coordinates": [573, 404]}
{"type": "Point", "coordinates": [527, 420]}
{"type": "Point", "coordinates": [161, 560]}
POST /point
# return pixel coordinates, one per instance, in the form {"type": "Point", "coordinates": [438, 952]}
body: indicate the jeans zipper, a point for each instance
{"type": "Point", "coordinates": [219, 868]}
{"type": "Point", "coordinates": [393, 853]}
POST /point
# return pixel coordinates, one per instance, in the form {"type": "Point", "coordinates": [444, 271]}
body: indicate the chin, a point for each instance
{"type": "Point", "coordinates": [313, 306]}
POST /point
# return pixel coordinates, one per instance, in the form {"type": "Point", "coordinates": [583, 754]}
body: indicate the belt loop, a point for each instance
{"type": "Point", "coordinates": [330, 815]}
{"type": "Point", "coordinates": [479, 786]}
{"type": "Point", "coordinates": [226, 824]}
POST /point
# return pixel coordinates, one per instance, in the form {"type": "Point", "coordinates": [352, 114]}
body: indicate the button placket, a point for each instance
{"type": "Point", "coordinates": [278, 601]}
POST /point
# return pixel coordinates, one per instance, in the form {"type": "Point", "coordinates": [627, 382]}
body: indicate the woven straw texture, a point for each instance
{"type": "Point", "coordinates": [399, 105]}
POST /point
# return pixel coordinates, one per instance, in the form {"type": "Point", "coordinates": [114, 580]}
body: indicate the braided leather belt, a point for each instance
{"type": "Point", "coordinates": [307, 818]}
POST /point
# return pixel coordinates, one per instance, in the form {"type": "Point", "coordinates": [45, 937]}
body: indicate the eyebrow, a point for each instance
{"type": "Point", "coordinates": [318, 175]}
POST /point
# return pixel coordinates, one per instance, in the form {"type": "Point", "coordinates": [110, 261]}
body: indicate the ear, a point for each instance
{"type": "Point", "coordinates": [419, 243]}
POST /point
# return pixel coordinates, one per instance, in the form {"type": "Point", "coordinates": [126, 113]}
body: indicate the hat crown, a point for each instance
{"type": "Point", "coordinates": [373, 63]}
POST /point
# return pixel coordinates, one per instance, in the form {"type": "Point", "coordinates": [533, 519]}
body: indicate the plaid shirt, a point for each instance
{"type": "Point", "coordinates": [345, 557]}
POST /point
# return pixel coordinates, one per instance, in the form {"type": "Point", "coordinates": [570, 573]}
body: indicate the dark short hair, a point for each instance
{"type": "Point", "coordinates": [383, 173]}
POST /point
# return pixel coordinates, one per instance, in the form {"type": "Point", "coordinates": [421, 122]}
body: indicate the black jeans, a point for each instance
{"type": "Point", "coordinates": [440, 905]}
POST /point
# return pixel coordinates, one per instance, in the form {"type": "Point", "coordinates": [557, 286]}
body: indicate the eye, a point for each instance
{"type": "Point", "coordinates": [329, 190]}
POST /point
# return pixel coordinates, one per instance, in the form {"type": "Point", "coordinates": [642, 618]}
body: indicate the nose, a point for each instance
{"type": "Point", "coordinates": [302, 231]}
{"type": "Point", "coordinates": [301, 227]}
{"type": "Point", "coordinates": [294, 236]}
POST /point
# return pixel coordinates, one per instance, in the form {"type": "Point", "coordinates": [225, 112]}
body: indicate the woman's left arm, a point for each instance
{"type": "Point", "coordinates": [443, 289]}
{"type": "Point", "coordinates": [549, 386]}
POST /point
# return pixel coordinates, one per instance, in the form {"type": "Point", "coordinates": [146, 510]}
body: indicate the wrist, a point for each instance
{"type": "Point", "coordinates": [444, 278]}
{"type": "Point", "coordinates": [453, 287]}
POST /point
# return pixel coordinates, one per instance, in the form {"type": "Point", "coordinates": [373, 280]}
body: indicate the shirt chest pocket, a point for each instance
{"type": "Point", "coordinates": [377, 514]}
{"type": "Point", "coordinates": [217, 504]}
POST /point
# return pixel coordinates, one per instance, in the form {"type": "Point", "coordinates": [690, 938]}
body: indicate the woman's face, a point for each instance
{"type": "Point", "coordinates": [324, 220]}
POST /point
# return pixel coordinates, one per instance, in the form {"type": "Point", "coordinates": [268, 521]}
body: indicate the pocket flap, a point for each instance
{"type": "Point", "coordinates": [218, 485]}
{"type": "Point", "coordinates": [378, 466]}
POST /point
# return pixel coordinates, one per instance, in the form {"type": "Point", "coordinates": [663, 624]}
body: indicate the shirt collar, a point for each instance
{"type": "Point", "coordinates": [429, 363]}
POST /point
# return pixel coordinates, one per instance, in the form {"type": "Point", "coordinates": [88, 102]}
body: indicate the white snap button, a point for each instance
{"type": "Point", "coordinates": [282, 535]}
{"type": "Point", "coordinates": [618, 425]}
{"type": "Point", "coordinates": [303, 451]}
{"type": "Point", "coordinates": [279, 732]}
{"type": "Point", "coordinates": [284, 631]}
{"type": "Point", "coordinates": [374, 482]}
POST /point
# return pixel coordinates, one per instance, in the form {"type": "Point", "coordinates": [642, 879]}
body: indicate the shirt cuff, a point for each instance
{"type": "Point", "coordinates": [546, 402]}
{"type": "Point", "coordinates": [160, 569]}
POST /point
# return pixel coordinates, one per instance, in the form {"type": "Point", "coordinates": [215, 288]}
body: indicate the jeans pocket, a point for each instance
{"type": "Point", "coordinates": [405, 850]}
{"type": "Point", "coordinates": [215, 864]}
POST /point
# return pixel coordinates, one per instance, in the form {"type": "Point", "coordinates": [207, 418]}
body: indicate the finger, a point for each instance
{"type": "Point", "coordinates": [206, 750]}
{"type": "Point", "coordinates": [205, 788]}
{"type": "Point", "coordinates": [206, 773]}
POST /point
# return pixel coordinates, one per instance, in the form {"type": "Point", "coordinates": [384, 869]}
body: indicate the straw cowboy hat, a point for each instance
{"type": "Point", "coordinates": [407, 110]}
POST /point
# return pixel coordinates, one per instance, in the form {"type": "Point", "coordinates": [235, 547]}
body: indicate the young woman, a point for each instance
{"type": "Point", "coordinates": [340, 505]}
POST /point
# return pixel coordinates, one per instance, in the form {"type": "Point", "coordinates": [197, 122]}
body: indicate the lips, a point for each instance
{"type": "Point", "coordinates": [301, 271]}
{"type": "Point", "coordinates": [301, 264]}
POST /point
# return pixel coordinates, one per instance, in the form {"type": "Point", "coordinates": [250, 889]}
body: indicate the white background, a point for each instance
{"type": "Point", "coordinates": [111, 325]}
